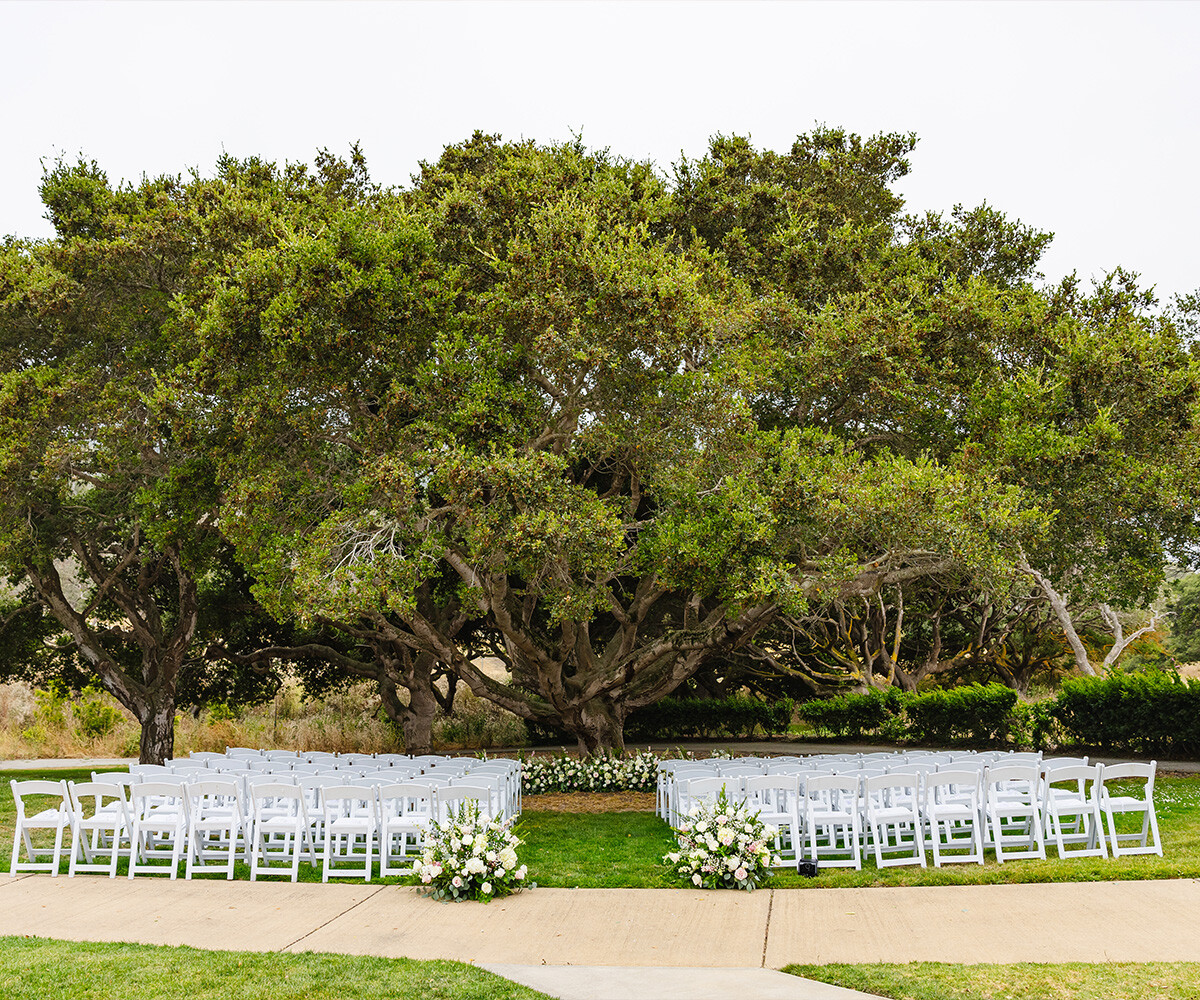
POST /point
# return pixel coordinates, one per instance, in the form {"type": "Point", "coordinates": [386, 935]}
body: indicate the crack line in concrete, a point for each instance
{"type": "Point", "coordinates": [336, 916]}
{"type": "Point", "coordinates": [767, 931]}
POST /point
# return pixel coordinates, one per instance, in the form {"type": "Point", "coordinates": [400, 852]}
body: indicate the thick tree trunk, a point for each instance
{"type": "Point", "coordinates": [599, 726]}
{"type": "Point", "coordinates": [416, 718]}
{"type": "Point", "coordinates": [417, 723]}
{"type": "Point", "coordinates": [158, 731]}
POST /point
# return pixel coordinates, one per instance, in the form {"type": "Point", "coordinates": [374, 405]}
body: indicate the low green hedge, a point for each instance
{"type": "Point", "coordinates": [691, 718]}
{"type": "Point", "coordinates": [709, 718]}
{"type": "Point", "coordinates": [1141, 713]}
{"type": "Point", "coordinates": [1147, 713]}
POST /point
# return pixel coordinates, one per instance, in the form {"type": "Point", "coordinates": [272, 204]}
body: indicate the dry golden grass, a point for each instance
{"type": "Point", "coordinates": [34, 724]}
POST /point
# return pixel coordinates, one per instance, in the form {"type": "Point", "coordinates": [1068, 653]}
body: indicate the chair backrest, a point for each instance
{"type": "Point", "coordinates": [771, 792]}
{"type": "Point", "coordinates": [406, 799]}
{"type": "Point", "coordinates": [739, 770]}
{"type": "Point", "coordinates": [1049, 762]}
{"type": "Point", "coordinates": [242, 752]}
{"type": "Point", "coordinates": [834, 790]}
{"type": "Point", "coordinates": [894, 788]}
{"type": "Point", "coordinates": [277, 799]}
{"type": "Point", "coordinates": [122, 778]}
{"type": "Point", "coordinates": [214, 793]}
{"type": "Point", "coordinates": [1070, 772]}
{"type": "Point", "coordinates": [451, 797]}
{"type": "Point", "coordinates": [146, 794]}
{"type": "Point", "coordinates": [347, 800]}
{"type": "Point", "coordinates": [946, 783]}
{"type": "Point", "coordinates": [913, 767]}
{"type": "Point", "coordinates": [149, 770]}
{"type": "Point", "coordinates": [88, 798]}
{"type": "Point", "coordinates": [1013, 779]}
{"type": "Point", "coordinates": [39, 787]}
{"type": "Point", "coordinates": [1130, 771]}
{"type": "Point", "coordinates": [711, 785]}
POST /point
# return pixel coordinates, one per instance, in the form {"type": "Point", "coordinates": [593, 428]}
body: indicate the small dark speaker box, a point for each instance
{"type": "Point", "coordinates": [807, 867]}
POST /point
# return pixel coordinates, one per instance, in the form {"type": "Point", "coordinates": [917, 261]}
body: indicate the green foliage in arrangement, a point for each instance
{"type": "Point", "coordinates": [722, 845]}
{"type": "Point", "coordinates": [604, 773]}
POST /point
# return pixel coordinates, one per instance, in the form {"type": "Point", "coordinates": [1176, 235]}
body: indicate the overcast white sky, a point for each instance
{"type": "Point", "coordinates": [1080, 118]}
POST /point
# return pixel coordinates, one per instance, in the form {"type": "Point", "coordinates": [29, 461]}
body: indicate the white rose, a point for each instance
{"type": "Point", "coordinates": [486, 888]}
{"type": "Point", "coordinates": [697, 879]}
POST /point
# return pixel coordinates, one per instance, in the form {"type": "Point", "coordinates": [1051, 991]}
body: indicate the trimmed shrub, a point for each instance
{"type": "Point", "coordinates": [978, 713]}
{"type": "Point", "coordinates": [709, 718]}
{"type": "Point", "coordinates": [1145, 713]}
{"type": "Point", "coordinates": [852, 716]}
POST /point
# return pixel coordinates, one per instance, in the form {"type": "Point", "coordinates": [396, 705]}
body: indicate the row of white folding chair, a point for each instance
{"type": "Point", "coordinates": [398, 815]}
{"type": "Point", "coordinates": [1010, 808]}
{"type": "Point", "coordinates": [202, 822]}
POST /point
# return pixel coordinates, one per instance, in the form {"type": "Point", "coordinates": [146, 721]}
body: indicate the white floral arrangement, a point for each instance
{"type": "Point", "coordinates": [566, 773]}
{"type": "Point", "coordinates": [722, 845]}
{"type": "Point", "coordinates": [470, 858]}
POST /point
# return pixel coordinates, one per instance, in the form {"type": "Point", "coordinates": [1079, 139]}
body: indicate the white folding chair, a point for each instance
{"type": "Point", "coordinates": [150, 772]}
{"type": "Point", "coordinates": [54, 814]}
{"type": "Point", "coordinates": [280, 829]}
{"type": "Point", "coordinates": [953, 812]}
{"type": "Point", "coordinates": [893, 818]}
{"type": "Point", "coordinates": [98, 810]}
{"type": "Point", "coordinates": [1111, 804]}
{"type": "Point", "coordinates": [348, 813]}
{"type": "Point", "coordinates": [158, 811]}
{"type": "Point", "coordinates": [831, 819]}
{"type": "Point", "coordinates": [1071, 809]}
{"type": "Point", "coordinates": [216, 825]}
{"type": "Point", "coordinates": [406, 810]}
{"type": "Point", "coordinates": [1013, 801]}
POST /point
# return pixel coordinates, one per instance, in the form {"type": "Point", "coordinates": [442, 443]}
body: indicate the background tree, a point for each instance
{"type": "Point", "coordinates": [105, 449]}
{"type": "Point", "coordinates": [1183, 611]}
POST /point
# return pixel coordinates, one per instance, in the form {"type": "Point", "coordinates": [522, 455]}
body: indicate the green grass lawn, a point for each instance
{"type": "Point", "coordinates": [1071, 981]}
{"type": "Point", "coordinates": [39, 969]}
{"type": "Point", "coordinates": [624, 850]}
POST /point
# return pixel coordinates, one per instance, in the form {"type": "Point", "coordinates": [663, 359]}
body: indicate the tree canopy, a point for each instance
{"type": "Point", "coordinates": [614, 426]}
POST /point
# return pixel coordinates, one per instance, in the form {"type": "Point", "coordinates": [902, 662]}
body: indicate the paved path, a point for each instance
{"type": "Point", "coordinates": [632, 943]}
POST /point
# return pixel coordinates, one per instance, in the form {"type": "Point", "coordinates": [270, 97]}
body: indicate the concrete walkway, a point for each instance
{"type": "Point", "coordinates": [630, 944]}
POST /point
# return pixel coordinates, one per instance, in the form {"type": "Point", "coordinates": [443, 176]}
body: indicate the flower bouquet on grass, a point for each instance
{"type": "Point", "coordinates": [722, 845]}
{"type": "Point", "coordinates": [470, 858]}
